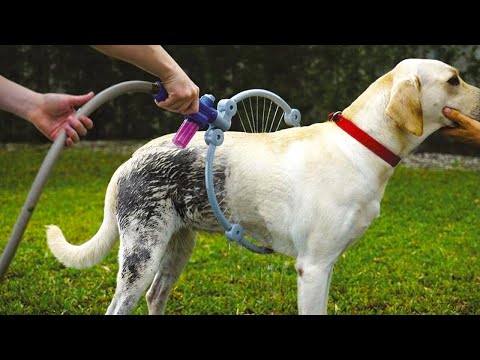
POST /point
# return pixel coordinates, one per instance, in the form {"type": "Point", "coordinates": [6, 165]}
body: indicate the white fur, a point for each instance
{"type": "Point", "coordinates": [94, 250]}
{"type": "Point", "coordinates": [306, 192]}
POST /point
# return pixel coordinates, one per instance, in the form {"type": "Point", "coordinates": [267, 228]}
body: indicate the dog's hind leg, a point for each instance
{"type": "Point", "coordinates": [139, 258]}
{"type": "Point", "coordinates": [176, 256]}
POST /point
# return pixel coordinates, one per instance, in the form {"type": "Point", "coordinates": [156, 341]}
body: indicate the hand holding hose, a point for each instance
{"type": "Point", "coordinates": [56, 112]}
{"type": "Point", "coordinates": [183, 94]}
{"type": "Point", "coordinates": [50, 113]}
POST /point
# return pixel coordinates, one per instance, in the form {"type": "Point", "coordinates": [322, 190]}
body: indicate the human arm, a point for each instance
{"type": "Point", "coordinates": [50, 113]}
{"type": "Point", "coordinates": [468, 129]}
{"type": "Point", "coordinates": [183, 94]}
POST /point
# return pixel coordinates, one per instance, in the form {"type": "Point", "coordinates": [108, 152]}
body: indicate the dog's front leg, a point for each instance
{"type": "Point", "coordinates": [313, 281]}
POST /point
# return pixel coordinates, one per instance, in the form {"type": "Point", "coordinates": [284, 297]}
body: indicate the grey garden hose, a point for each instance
{"type": "Point", "coordinates": [52, 157]}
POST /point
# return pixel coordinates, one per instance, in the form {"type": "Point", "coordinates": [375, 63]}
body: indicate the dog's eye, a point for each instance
{"type": "Point", "coordinates": [454, 80]}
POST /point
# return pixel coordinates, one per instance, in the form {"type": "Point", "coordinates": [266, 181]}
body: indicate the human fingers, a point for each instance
{"type": "Point", "coordinates": [183, 105]}
{"type": "Point", "coordinates": [77, 125]}
{"type": "Point", "coordinates": [72, 134]}
{"type": "Point", "coordinates": [193, 108]}
{"type": "Point", "coordinates": [79, 100]}
{"type": "Point", "coordinates": [86, 121]}
{"type": "Point", "coordinates": [453, 132]}
{"type": "Point", "coordinates": [183, 95]}
{"type": "Point", "coordinates": [170, 104]}
{"type": "Point", "coordinates": [194, 100]}
{"type": "Point", "coordinates": [457, 117]}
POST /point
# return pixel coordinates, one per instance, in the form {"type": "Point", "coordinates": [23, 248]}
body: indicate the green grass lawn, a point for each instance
{"type": "Point", "coordinates": [420, 257]}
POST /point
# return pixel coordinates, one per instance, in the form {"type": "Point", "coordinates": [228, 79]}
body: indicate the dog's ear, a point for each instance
{"type": "Point", "coordinates": [405, 107]}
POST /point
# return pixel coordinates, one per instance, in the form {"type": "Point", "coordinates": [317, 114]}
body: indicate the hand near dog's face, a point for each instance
{"type": "Point", "coordinates": [420, 89]}
{"type": "Point", "coordinates": [468, 130]}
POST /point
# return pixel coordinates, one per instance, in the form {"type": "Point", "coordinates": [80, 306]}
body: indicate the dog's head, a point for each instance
{"type": "Point", "coordinates": [421, 88]}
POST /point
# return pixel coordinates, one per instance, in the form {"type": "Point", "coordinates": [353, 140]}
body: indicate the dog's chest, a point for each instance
{"type": "Point", "coordinates": [360, 218]}
{"type": "Point", "coordinates": [338, 216]}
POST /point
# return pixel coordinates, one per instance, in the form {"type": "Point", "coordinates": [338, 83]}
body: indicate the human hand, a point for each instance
{"type": "Point", "coordinates": [56, 112]}
{"type": "Point", "coordinates": [468, 130]}
{"type": "Point", "coordinates": [183, 94]}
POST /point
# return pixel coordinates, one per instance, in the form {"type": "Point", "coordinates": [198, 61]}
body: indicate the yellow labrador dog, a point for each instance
{"type": "Point", "coordinates": [305, 192]}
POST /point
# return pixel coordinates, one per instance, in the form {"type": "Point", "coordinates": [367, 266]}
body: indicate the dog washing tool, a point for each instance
{"type": "Point", "coordinates": [219, 121]}
{"type": "Point", "coordinates": [193, 122]}
{"type": "Point", "coordinates": [53, 155]}
{"type": "Point", "coordinates": [214, 137]}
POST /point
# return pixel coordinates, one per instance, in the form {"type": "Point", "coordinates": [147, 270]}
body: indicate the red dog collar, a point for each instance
{"type": "Point", "coordinates": [365, 139]}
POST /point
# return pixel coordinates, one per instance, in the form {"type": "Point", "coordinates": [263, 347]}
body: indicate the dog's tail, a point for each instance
{"type": "Point", "coordinates": [95, 249]}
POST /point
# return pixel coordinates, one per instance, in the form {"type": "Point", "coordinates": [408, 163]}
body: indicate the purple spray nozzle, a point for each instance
{"type": "Point", "coordinates": [206, 115]}
{"type": "Point", "coordinates": [185, 133]}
